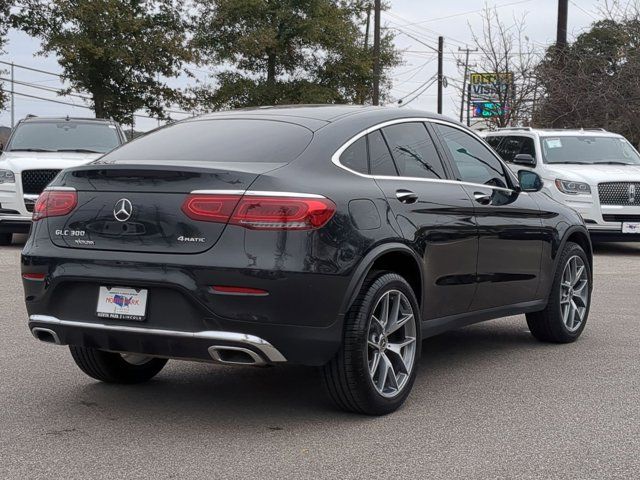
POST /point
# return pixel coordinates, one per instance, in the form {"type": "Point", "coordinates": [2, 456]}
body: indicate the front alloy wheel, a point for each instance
{"type": "Point", "coordinates": [567, 310]}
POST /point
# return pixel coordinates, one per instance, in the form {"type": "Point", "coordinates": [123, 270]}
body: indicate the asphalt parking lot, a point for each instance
{"type": "Point", "coordinates": [489, 402]}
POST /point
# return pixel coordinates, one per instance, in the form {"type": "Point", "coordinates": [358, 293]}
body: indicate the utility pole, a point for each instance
{"type": "Point", "coordinates": [464, 80]}
{"type": "Point", "coordinates": [561, 35]}
{"type": "Point", "coordinates": [440, 74]}
{"type": "Point", "coordinates": [469, 105]}
{"type": "Point", "coordinates": [376, 51]}
{"type": "Point", "coordinates": [13, 109]}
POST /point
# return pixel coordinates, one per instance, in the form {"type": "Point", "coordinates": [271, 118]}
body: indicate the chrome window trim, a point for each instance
{"type": "Point", "coordinates": [335, 158]}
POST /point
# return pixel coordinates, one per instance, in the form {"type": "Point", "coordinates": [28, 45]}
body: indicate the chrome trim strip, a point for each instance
{"type": "Point", "coordinates": [28, 196]}
{"type": "Point", "coordinates": [217, 192]}
{"type": "Point", "coordinates": [68, 189]}
{"type": "Point", "coordinates": [256, 193]}
{"type": "Point", "coordinates": [335, 158]}
{"type": "Point", "coordinates": [14, 218]}
{"type": "Point", "coordinates": [269, 351]}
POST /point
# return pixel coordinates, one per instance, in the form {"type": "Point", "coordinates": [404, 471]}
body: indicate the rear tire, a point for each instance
{"type": "Point", "coordinates": [565, 316]}
{"type": "Point", "coordinates": [113, 368]}
{"type": "Point", "coordinates": [374, 370]}
{"type": "Point", "coordinates": [6, 238]}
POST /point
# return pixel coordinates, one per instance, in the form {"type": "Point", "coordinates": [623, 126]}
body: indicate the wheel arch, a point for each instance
{"type": "Point", "coordinates": [393, 257]}
{"type": "Point", "coordinates": [579, 235]}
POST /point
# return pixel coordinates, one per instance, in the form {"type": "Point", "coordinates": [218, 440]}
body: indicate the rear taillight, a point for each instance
{"type": "Point", "coordinates": [261, 212]}
{"type": "Point", "coordinates": [210, 208]}
{"type": "Point", "coordinates": [54, 203]}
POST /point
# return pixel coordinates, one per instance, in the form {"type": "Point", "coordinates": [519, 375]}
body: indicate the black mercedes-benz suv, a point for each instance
{"type": "Point", "coordinates": [334, 236]}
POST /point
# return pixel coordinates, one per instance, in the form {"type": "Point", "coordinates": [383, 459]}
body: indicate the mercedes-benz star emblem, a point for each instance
{"type": "Point", "coordinates": [123, 210]}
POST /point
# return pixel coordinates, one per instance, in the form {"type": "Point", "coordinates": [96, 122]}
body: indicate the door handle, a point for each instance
{"type": "Point", "coordinates": [406, 196]}
{"type": "Point", "coordinates": [482, 198]}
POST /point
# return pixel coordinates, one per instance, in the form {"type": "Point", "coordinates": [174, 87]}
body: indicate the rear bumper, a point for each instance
{"type": "Point", "coordinates": [151, 341]}
{"type": "Point", "coordinates": [15, 223]}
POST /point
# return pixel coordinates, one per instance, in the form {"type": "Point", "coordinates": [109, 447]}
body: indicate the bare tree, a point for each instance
{"type": "Point", "coordinates": [506, 52]}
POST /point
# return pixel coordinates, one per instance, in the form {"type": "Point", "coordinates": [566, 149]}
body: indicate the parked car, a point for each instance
{"type": "Point", "coordinates": [330, 236]}
{"type": "Point", "coordinates": [37, 150]}
{"type": "Point", "coordinates": [593, 171]}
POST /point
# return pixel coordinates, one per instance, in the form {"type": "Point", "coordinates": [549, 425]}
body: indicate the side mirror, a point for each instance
{"type": "Point", "coordinates": [525, 160]}
{"type": "Point", "coordinates": [529, 181]}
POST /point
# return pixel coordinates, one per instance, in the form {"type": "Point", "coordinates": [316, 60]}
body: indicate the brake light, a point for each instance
{"type": "Point", "coordinates": [55, 203]}
{"type": "Point", "coordinates": [261, 212]}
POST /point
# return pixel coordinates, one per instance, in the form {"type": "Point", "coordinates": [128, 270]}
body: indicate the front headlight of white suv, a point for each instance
{"type": "Point", "coordinates": [7, 176]}
{"type": "Point", "coordinates": [572, 188]}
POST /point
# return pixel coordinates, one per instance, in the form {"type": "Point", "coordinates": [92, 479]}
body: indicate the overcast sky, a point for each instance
{"type": "Point", "coordinates": [427, 19]}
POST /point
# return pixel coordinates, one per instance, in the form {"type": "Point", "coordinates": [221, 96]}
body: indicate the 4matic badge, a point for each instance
{"type": "Point", "coordinates": [191, 239]}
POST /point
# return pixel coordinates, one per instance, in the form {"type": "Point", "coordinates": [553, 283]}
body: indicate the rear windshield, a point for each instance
{"type": "Point", "coordinates": [590, 150]}
{"type": "Point", "coordinates": [223, 140]}
{"type": "Point", "coordinates": [64, 136]}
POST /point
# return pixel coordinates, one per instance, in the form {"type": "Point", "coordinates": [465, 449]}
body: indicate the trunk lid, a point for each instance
{"type": "Point", "coordinates": [137, 207]}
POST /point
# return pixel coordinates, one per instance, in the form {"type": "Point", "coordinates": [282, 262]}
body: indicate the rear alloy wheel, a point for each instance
{"type": "Point", "coordinates": [6, 238]}
{"type": "Point", "coordinates": [375, 368]}
{"type": "Point", "coordinates": [568, 307]}
{"type": "Point", "coordinates": [113, 367]}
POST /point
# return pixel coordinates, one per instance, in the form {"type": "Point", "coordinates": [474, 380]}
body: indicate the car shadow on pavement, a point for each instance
{"type": "Point", "coordinates": [613, 248]}
{"type": "Point", "coordinates": [202, 393]}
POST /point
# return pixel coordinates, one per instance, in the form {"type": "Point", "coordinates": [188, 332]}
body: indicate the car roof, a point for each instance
{"type": "Point", "coordinates": [315, 117]}
{"type": "Point", "coordinates": [552, 132]}
{"type": "Point", "coordinates": [34, 119]}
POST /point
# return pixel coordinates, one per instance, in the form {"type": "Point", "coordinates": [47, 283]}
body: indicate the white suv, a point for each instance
{"type": "Point", "coordinates": [593, 171]}
{"type": "Point", "coordinates": [36, 151]}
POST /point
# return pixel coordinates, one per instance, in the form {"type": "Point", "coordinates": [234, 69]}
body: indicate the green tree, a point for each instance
{"type": "Point", "coordinates": [595, 81]}
{"type": "Point", "coordinates": [5, 23]}
{"type": "Point", "coordinates": [116, 50]}
{"type": "Point", "coordinates": [287, 51]}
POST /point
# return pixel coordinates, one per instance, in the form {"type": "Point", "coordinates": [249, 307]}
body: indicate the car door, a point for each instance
{"type": "Point", "coordinates": [434, 214]}
{"type": "Point", "coordinates": [509, 222]}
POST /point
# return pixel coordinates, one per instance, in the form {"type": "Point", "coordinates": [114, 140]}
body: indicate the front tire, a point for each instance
{"type": "Point", "coordinates": [374, 370]}
{"type": "Point", "coordinates": [6, 238]}
{"type": "Point", "coordinates": [565, 316]}
{"type": "Point", "coordinates": [113, 367]}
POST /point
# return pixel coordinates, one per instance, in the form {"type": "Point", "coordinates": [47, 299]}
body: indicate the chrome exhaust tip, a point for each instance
{"type": "Point", "coordinates": [46, 335]}
{"type": "Point", "coordinates": [235, 356]}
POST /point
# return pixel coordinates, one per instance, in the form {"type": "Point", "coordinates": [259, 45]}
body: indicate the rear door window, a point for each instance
{"type": "Point", "coordinates": [413, 151]}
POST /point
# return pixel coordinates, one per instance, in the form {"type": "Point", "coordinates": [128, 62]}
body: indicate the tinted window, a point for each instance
{"type": "Point", "coordinates": [584, 149]}
{"type": "Point", "coordinates": [65, 136]}
{"type": "Point", "coordinates": [379, 155]}
{"type": "Point", "coordinates": [509, 147]}
{"type": "Point", "coordinates": [219, 141]}
{"type": "Point", "coordinates": [355, 156]}
{"type": "Point", "coordinates": [413, 151]}
{"type": "Point", "coordinates": [475, 162]}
